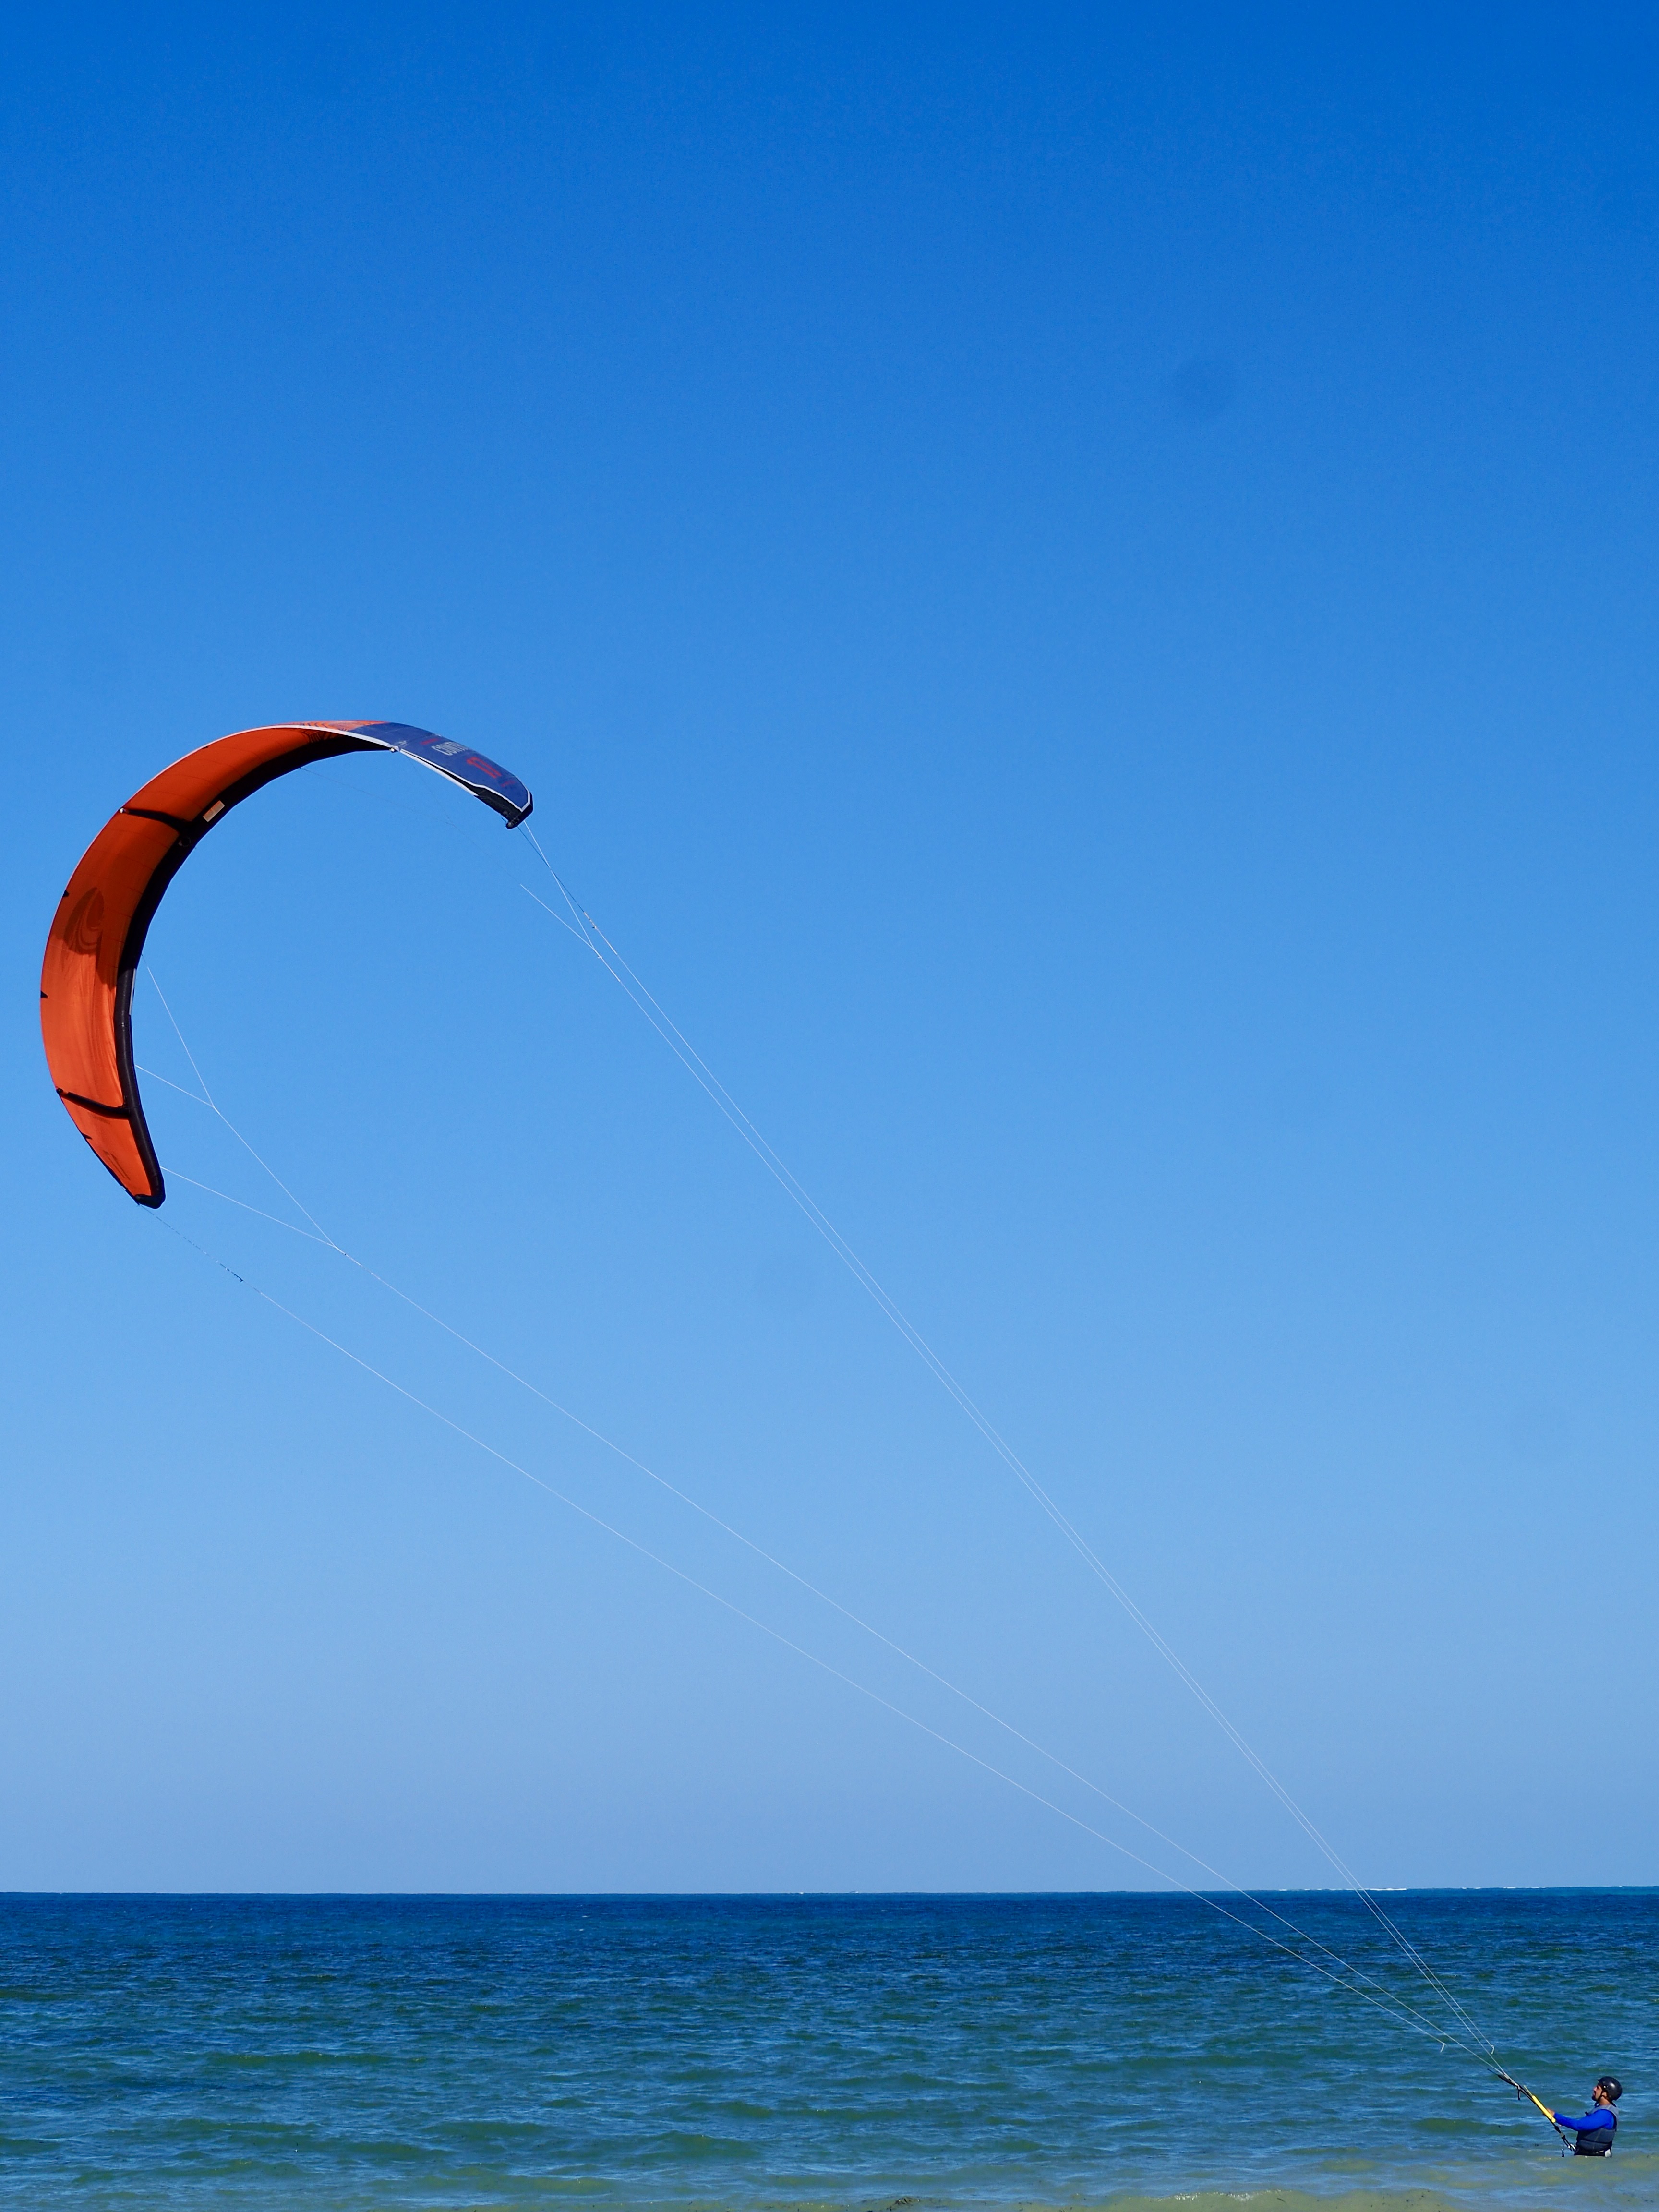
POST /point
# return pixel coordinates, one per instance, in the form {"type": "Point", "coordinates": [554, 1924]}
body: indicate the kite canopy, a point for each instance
{"type": "Point", "coordinates": [98, 934]}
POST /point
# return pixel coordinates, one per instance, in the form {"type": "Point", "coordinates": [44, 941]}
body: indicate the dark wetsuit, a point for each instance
{"type": "Point", "coordinates": [1595, 2132]}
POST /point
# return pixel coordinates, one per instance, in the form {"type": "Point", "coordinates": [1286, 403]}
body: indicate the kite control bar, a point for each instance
{"type": "Point", "coordinates": [1522, 2090]}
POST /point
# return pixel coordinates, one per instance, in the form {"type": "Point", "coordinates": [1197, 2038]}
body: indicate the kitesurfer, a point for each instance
{"type": "Point", "coordinates": [1598, 2127]}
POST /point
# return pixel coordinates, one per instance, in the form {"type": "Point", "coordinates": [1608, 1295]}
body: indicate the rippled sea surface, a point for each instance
{"type": "Point", "coordinates": [754, 2052]}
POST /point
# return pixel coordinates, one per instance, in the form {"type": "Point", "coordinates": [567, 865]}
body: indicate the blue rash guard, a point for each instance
{"type": "Point", "coordinates": [1594, 2130]}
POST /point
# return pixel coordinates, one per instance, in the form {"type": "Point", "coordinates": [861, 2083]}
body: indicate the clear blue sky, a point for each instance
{"type": "Point", "coordinates": [1076, 591]}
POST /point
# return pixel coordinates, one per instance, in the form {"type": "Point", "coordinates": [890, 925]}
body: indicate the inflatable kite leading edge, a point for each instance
{"type": "Point", "coordinates": [98, 934]}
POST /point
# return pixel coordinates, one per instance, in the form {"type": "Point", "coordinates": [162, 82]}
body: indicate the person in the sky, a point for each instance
{"type": "Point", "coordinates": [1598, 2127]}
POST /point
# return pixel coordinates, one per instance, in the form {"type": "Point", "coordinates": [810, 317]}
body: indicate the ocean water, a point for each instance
{"type": "Point", "coordinates": [756, 2052]}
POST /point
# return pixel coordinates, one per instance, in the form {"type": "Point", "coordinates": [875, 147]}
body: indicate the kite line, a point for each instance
{"type": "Point", "coordinates": [583, 925]}
{"type": "Point", "coordinates": [1351, 1976]}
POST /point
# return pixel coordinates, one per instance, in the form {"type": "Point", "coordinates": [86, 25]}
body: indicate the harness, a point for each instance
{"type": "Point", "coordinates": [1597, 2142]}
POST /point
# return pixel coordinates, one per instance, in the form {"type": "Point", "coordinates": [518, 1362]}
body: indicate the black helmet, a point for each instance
{"type": "Point", "coordinates": [1611, 2087]}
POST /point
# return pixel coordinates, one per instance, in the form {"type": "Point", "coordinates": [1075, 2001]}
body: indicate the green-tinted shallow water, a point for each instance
{"type": "Point", "coordinates": [745, 2053]}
